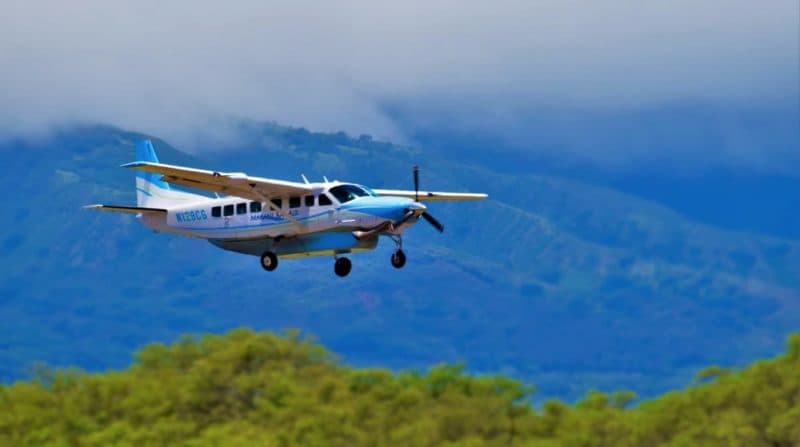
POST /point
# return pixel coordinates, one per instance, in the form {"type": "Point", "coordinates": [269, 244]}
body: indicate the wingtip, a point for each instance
{"type": "Point", "coordinates": [135, 164]}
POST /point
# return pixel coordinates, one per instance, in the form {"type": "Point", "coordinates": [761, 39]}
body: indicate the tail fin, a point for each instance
{"type": "Point", "coordinates": [151, 191]}
{"type": "Point", "coordinates": [147, 182]}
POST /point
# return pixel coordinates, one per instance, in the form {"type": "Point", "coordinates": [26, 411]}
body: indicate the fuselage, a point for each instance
{"type": "Point", "coordinates": [318, 223]}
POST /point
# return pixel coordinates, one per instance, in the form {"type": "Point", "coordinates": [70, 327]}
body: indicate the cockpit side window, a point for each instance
{"type": "Point", "coordinates": [324, 200]}
{"type": "Point", "coordinates": [346, 193]}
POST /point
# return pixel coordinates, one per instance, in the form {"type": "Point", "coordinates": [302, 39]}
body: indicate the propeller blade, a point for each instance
{"type": "Point", "coordinates": [416, 183]}
{"type": "Point", "coordinates": [432, 220]}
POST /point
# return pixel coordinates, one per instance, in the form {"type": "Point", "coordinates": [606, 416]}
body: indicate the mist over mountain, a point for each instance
{"type": "Point", "coordinates": [731, 167]}
{"type": "Point", "coordinates": [558, 280]}
{"type": "Point", "coordinates": [183, 71]}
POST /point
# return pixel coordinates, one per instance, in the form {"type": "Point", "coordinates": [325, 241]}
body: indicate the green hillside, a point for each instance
{"type": "Point", "coordinates": [552, 281]}
{"type": "Point", "coordinates": [246, 388]}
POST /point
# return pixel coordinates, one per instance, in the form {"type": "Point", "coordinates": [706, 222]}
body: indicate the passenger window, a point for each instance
{"type": "Point", "coordinates": [324, 200]}
{"type": "Point", "coordinates": [255, 207]}
{"type": "Point", "coordinates": [216, 211]}
{"type": "Point", "coordinates": [277, 202]}
{"type": "Point", "coordinates": [241, 208]}
{"type": "Point", "coordinates": [228, 210]}
{"type": "Point", "coordinates": [309, 200]}
{"type": "Point", "coordinates": [294, 202]}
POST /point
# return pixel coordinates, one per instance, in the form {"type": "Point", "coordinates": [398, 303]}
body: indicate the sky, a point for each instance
{"type": "Point", "coordinates": [188, 70]}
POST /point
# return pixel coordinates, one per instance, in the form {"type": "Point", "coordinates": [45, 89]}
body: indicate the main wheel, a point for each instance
{"type": "Point", "coordinates": [342, 266]}
{"type": "Point", "coordinates": [269, 261]}
{"type": "Point", "coordinates": [398, 259]}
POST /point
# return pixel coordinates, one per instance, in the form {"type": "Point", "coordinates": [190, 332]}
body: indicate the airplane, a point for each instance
{"type": "Point", "coordinates": [276, 219]}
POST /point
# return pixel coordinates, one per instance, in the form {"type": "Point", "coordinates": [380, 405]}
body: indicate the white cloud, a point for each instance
{"type": "Point", "coordinates": [182, 69]}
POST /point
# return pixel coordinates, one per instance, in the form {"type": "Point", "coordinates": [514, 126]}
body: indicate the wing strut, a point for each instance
{"type": "Point", "coordinates": [272, 206]}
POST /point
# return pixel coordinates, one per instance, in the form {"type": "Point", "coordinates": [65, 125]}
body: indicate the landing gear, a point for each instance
{"type": "Point", "coordinates": [342, 266]}
{"type": "Point", "coordinates": [269, 261]}
{"type": "Point", "coordinates": [398, 259]}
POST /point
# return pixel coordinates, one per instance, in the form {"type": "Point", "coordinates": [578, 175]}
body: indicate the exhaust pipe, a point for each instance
{"type": "Point", "coordinates": [366, 234]}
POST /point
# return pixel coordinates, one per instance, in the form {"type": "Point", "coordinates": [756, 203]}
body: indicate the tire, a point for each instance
{"type": "Point", "coordinates": [398, 259]}
{"type": "Point", "coordinates": [269, 261]}
{"type": "Point", "coordinates": [342, 267]}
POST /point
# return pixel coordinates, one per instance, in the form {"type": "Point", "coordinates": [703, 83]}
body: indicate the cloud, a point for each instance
{"type": "Point", "coordinates": [185, 69]}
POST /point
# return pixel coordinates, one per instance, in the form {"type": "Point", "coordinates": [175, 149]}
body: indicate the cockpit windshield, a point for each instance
{"type": "Point", "coordinates": [346, 193]}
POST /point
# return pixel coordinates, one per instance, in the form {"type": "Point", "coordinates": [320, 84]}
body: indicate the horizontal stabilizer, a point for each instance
{"type": "Point", "coordinates": [125, 209]}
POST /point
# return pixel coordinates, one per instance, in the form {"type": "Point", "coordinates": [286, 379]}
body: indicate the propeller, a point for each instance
{"type": "Point", "coordinates": [432, 220]}
{"type": "Point", "coordinates": [416, 183]}
{"type": "Point", "coordinates": [425, 215]}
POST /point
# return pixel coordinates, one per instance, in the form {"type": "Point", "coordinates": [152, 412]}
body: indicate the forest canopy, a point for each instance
{"type": "Point", "coordinates": [247, 388]}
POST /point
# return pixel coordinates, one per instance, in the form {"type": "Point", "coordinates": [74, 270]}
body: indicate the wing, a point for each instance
{"type": "Point", "coordinates": [125, 209]}
{"type": "Point", "coordinates": [431, 195]}
{"type": "Point", "coordinates": [231, 183]}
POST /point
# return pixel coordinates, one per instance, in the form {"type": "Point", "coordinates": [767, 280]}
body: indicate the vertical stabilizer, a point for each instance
{"type": "Point", "coordinates": [151, 191]}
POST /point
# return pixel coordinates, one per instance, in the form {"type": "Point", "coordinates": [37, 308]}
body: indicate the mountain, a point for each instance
{"type": "Point", "coordinates": [245, 388]}
{"type": "Point", "coordinates": [724, 165]}
{"type": "Point", "coordinates": [555, 281]}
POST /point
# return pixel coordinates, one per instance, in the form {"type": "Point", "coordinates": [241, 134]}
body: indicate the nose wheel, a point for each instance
{"type": "Point", "coordinates": [342, 267]}
{"type": "Point", "coordinates": [398, 259]}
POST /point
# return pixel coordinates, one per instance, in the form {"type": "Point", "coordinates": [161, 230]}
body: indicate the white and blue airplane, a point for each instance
{"type": "Point", "coordinates": [276, 219]}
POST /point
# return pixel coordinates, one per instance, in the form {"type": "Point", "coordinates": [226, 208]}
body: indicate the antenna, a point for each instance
{"type": "Point", "coordinates": [305, 179]}
{"type": "Point", "coordinates": [325, 178]}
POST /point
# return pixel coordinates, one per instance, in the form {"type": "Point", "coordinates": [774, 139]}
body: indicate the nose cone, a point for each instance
{"type": "Point", "coordinates": [417, 207]}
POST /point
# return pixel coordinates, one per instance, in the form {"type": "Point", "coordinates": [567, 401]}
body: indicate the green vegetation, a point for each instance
{"type": "Point", "coordinates": [259, 389]}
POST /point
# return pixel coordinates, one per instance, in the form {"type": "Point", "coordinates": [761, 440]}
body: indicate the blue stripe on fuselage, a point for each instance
{"type": "Point", "coordinates": [147, 193]}
{"type": "Point", "coordinates": [393, 208]}
{"type": "Point", "coordinates": [257, 225]}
